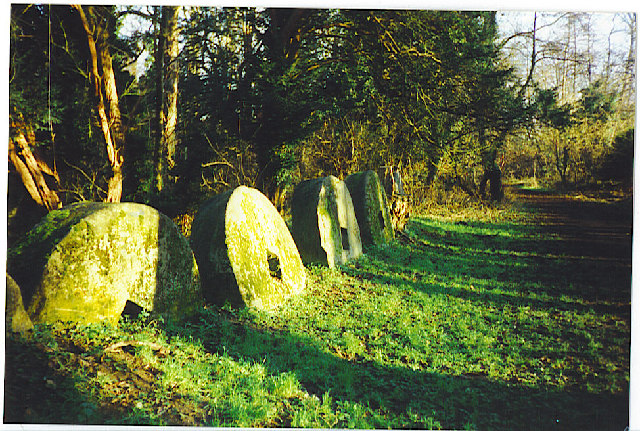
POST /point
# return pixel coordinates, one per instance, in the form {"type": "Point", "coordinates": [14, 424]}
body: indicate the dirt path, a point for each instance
{"type": "Point", "coordinates": [591, 229]}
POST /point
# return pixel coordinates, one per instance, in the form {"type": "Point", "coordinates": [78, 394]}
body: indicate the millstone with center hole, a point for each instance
{"type": "Point", "coordinates": [84, 262]}
{"type": "Point", "coordinates": [371, 208]}
{"type": "Point", "coordinates": [324, 225]}
{"type": "Point", "coordinates": [245, 251]}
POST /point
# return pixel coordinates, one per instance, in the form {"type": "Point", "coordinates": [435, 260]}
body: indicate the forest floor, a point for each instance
{"type": "Point", "coordinates": [515, 322]}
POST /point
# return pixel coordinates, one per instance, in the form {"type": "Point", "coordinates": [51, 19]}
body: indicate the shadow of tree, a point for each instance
{"type": "Point", "coordinates": [511, 254]}
{"type": "Point", "coordinates": [403, 397]}
{"type": "Point", "coordinates": [36, 391]}
{"type": "Point", "coordinates": [397, 395]}
{"type": "Point", "coordinates": [508, 256]}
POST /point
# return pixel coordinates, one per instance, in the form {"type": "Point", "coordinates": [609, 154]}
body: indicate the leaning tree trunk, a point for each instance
{"type": "Point", "coordinates": [30, 169]}
{"type": "Point", "coordinates": [110, 123]}
{"type": "Point", "coordinates": [114, 190]}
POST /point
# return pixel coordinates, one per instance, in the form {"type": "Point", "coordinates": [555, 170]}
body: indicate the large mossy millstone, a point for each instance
{"type": "Point", "coordinates": [323, 222]}
{"type": "Point", "coordinates": [16, 318]}
{"type": "Point", "coordinates": [371, 208]}
{"type": "Point", "coordinates": [83, 263]}
{"type": "Point", "coordinates": [245, 251]}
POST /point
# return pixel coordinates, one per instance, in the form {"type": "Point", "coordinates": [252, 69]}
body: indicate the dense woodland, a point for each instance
{"type": "Point", "coordinates": [168, 105]}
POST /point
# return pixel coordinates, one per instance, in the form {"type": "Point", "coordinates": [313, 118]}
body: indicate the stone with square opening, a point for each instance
{"type": "Point", "coordinates": [245, 251]}
{"type": "Point", "coordinates": [351, 241]}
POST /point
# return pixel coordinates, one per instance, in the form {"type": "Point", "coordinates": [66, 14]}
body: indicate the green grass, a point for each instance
{"type": "Point", "coordinates": [457, 325]}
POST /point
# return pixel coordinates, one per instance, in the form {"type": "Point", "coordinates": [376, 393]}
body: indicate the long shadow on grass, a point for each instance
{"type": "Point", "coordinates": [512, 264]}
{"type": "Point", "coordinates": [518, 262]}
{"type": "Point", "coordinates": [399, 397]}
{"type": "Point", "coordinates": [37, 390]}
{"type": "Point", "coordinates": [49, 382]}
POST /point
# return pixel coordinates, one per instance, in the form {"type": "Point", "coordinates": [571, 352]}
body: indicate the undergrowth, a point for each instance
{"type": "Point", "coordinates": [458, 324]}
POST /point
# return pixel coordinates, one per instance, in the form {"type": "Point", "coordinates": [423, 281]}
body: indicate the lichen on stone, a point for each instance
{"type": "Point", "coordinates": [235, 237]}
{"type": "Point", "coordinates": [16, 318]}
{"type": "Point", "coordinates": [88, 260]}
{"type": "Point", "coordinates": [323, 222]}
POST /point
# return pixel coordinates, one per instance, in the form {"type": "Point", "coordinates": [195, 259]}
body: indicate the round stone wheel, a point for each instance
{"type": "Point", "coordinates": [84, 263]}
{"type": "Point", "coordinates": [371, 208]}
{"type": "Point", "coordinates": [323, 222]}
{"type": "Point", "coordinates": [245, 251]}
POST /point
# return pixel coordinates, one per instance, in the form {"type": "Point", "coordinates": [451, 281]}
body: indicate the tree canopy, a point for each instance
{"type": "Point", "coordinates": [196, 100]}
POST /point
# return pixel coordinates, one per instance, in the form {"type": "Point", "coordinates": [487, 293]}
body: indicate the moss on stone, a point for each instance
{"type": "Point", "coordinates": [323, 222]}
{"type": "Point", "coordinates": [16, 318]}
{"type": "Point", "coordinates": [350, 231]}
{"type": "Point", "coordinates": [371, 208]}
{"type": "Point", "coordinates": [93, 257]}
{"type": "Point", "coordinates": [235, 237]}
{"type": "Point", "coordinates": [314, 222]}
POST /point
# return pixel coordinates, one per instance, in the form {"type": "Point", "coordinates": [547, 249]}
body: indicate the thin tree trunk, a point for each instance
{"type": "Point", "coordinates": [114, 191]}
{"type": "Point", "coordinates": [629, 75]}
{"type": "Point", "coordinates": [533, 57]}
{"type": "Point", "coordinates": [166, 96]}
{"type": "Point", "coordinates": [170, 85]}
{"type": "Point", "coordinates": [159, 153]}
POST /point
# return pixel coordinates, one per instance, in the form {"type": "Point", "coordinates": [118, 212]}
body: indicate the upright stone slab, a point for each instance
{"type": "Point", "coordinates": [245, 251]}
{"type": "Point", "coordinates": [349, 229]}
{"type": "Point", "coordinates": [371, 208]}
{"type": "Point", "coordinates": [314, 222]}
{"type": "Point", "coordinates": [323, 222]}
{"type": "Point", "coordinates": [83, 263]}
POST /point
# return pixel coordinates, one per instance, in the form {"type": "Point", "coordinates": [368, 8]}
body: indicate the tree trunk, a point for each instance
{"type": "Point", "coordinates": [109, 85]}
{"type": "Point", "coordinates": [167, 95]}
{"type": "Point", "coordinates": [159, 155]}
{"type": "Point", "coordinates": [170, 93]}
{"type": "Point", "coordinates": [562, 163]}
{"type": "Point", "coordinates": [30, 169]}
{"type": "Point", "coordinates": [113, 139]}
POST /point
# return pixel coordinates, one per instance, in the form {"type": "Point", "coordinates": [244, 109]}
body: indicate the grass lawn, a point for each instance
{"type": "Point", "coordinates": [456, 325]}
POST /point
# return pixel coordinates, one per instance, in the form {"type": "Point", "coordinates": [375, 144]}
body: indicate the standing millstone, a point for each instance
{"type": "Point", "coordinates": [83, 263]}
{"type": "Point", "coordinates": [323, 222]}
{"type": "Point", "coordinates": [349, 229]}
{"type": "Point", "coordinates": [244, 251]}
{"type": "Point", "coordinates": [371, 208]}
